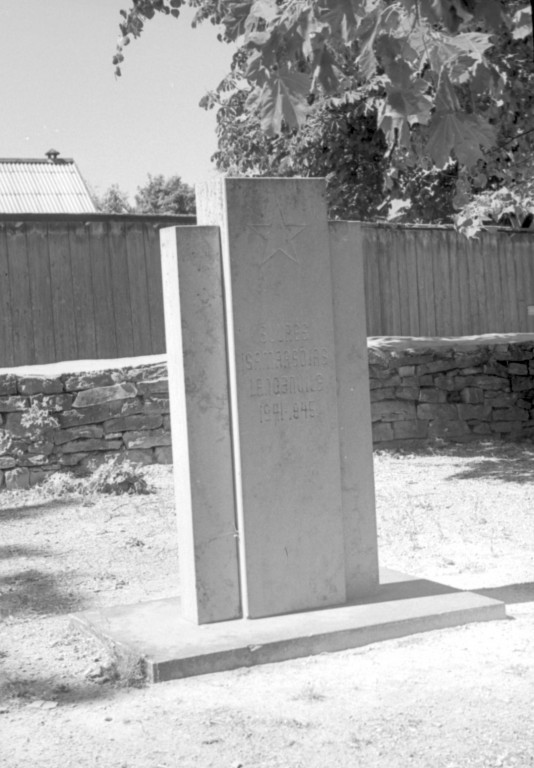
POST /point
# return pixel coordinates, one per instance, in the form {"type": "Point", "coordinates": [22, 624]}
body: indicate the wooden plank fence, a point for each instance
{"type": "Point", "coordinates": [89, 287]}
{"type": "Point", "coordinates": [80, 287]}
{"type": "Point", "coordinates": [432, 281]}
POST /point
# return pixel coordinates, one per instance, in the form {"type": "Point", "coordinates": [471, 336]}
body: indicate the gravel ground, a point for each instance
{"type": "Point", "coordinates": [452, 698]}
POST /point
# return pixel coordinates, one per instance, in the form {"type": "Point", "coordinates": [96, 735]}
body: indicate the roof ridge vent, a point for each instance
{"type": "Point", "coordinates": [52, 155]}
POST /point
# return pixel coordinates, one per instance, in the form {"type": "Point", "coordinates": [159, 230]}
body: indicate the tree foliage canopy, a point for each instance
{"type": "Point", "coordinates": [447, 82]}
{"type": "Point", "coordinates": [158, 196]}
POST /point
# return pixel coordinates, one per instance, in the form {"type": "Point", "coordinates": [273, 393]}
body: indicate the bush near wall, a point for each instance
{"type": "Point", "coordinates": [81, 420]}
{"type": "Point", "coordinates": [457, 392]}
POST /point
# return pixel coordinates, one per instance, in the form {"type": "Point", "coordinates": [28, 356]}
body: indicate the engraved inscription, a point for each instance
{"type": "Point", "coordinates": [284, 369]}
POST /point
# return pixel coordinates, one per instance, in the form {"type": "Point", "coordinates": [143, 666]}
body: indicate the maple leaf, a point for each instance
{"type": "Point", "coordinates": [341, 17]}
{"type": "Point", "coordinates": [281, 99]}
{"type": "Point", "coordinates": [367, 35]}
{"type": "Point", "coordinates": [465, 134]}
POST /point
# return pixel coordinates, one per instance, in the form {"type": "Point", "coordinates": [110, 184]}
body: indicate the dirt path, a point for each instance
{"type": "Point", "coordinates": [454, 698]}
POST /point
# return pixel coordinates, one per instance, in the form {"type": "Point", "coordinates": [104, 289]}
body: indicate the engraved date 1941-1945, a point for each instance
{"type": "Point", "coordinates": [299, 410]}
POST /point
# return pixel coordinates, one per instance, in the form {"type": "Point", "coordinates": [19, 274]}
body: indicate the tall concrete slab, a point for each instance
{"type": "Point", "coordinates": [200, 423]}
{"type": "Point", "coordinates": [355, 434]}
{"type": "Point", "coordinates": [275, 245]}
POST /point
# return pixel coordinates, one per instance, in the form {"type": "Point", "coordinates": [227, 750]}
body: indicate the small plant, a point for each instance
{"type": "Point", "coordinates": [37, 420]}
{"type": "Point", "coordinates": [113, 476]}
{"type": "Point", "coordinates": [118, 476]}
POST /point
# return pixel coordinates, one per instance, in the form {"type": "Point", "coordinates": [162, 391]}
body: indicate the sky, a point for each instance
{"type": "Point", "coordinates": [58, 90]}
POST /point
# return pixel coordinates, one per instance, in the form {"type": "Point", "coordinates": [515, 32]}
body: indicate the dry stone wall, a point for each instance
{"type": "Point", "coordinates": [455, 392]}
{"type": "Point", "coordinates": [460, 392]}
{"type": "Point", "coordinates": [69, 421]}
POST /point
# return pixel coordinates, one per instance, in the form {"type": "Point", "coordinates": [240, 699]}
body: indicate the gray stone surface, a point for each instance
{"type": "Point", "coordinates": [200, 418]}
{"type": "Point", "coordinates": [99, 395]}
{"type": "Point", "coordinates": [276, 251]}
{"type": "Point", "coordinates": [173, 648]}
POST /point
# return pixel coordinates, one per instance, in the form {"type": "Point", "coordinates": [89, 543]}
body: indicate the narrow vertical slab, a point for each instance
{"type": "Point", "coordinates": [200, 423]}
{"type": "Point", "coordinates": [277, 264]}
{"type": "Point", "coordinates": [355, 434]}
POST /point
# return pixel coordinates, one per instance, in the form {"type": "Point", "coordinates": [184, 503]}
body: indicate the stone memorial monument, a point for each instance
{"type": "Point", "coordinates": [264, 311]}
{"type": "Point", "coordinates": [271, 436]}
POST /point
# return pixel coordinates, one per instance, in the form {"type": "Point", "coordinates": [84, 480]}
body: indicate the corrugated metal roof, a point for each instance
{"type": "Point", "coordinates": [43, 186]}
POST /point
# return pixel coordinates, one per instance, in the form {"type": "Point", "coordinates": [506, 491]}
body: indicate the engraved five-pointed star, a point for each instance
{"type": "Point", "coordinates": [278, 235]}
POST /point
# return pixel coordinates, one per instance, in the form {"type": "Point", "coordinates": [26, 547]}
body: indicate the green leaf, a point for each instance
{"type": "Point", "coordinates": [283, 98]}
{"type": "Point", "coordinates": [460, 134]}
{"type": "Point", "coordinates": [341, 16]}
{"type": "Point", "coordinates": [367, 35]}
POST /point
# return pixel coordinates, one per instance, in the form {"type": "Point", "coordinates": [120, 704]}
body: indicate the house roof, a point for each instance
{"type": "Point", "coordinates": [43, 185]}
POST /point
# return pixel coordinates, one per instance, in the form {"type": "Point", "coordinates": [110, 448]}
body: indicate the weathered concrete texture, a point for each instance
{"type": "Point", "coordinates": [173, 648]}
{"type": "Point", "coordinates": [200, 418]}
{"type": "Point", "coordinates": [276, 252]}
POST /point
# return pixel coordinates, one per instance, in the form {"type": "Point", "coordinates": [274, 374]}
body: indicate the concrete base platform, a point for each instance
{"type": "Point", "coordinates": [153, 635]}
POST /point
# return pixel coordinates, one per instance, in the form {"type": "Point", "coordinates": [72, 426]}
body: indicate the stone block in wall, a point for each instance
{"type": "Point", "coordinates": [39, 385]}
{"type": "Point", "coordinates": [57, 403]}
{"type": "Point", "coordinates": [500, 399]}
{"type": "Point", "coordinates": [79, 446]}
{"type": "Point", "coordinates": [7, 462]}
{"type": "Point", "coordinates": [410, 430]}
{"type": "Point", "coordinates": [35, 460]}
{"type": "Point", "coordinates": [1, 478]}
{"type": "Point", "coordinates": [496, 369]}
{"type": "Point", "coordinates": [518, 369]}
{"type": "Point", "coordinates": [509, 414]}
{"type": "Point", "coordinates": [139, 456]}
{"type": "Point", "coordinates": [521, 383]}
{"type": "Point", "coordinates": [163, 454]}
{"type": "Point", "coordinates": [8, 384]}
{"type": "Point", "coordinates": [17, 479]}
{"type": "Point", "coordinates": [393, 410]}
{"type": "Point", "coordinates": [407, 393]}
{"type": "Point", "coordinates": [71, 459]}
{"type": "Point", "coordinates": [485, 381]}
{"type": "Point", "coordinates": [134, 423]}
{"type": "Point", "coordinates": [430, 395]}
{"type": "Point", "coordinates": [88, 380]}
{"type": "Point", "coordinates": [41, 446]}
{"type": "Point", "coordinates": [441, 411]}
{"type": "Point", "coordinates": [95, 414]}
{"type": "Point", "coordinates": [472, 395]}
{"type": "Point", "coordinates": [482, 429]}
{"type": "Point", "coordinates": [38, 476]}
{"type": "Point", "coordinates": [531, 368]}
{"type": "Point", "coordinates": [167, 422]}
{"type": "Point", "coordinates": [68, 435]}
{"type": "Point", "coordinates": [155, 404]}
{"type": "Point", "coordinates": [146, 439]}
{"type": "Point", "coordinates": [10, 404]}
{"type": "Point", "coordinates": [437, 366]}
{"type": "Point", "coordinates": [410, 357]}
{"type": "Point", "coordinates": [406, 370]}
{"type": "Point", "coordinates": [469, 412]}
{"type": "Point", "coordinates": [506, 427]}
{"type": "Point", "coordinates": [448, 429]}
{"type": "Point", "coordinates": [382, 432]}
{"type": "Point", "coordinates": [153, 387]}
{"type": "Point", "coordinates": [91, 397]}
{"type": "Point", "coordinates": [450, 383]}
{"type": "Point", "coordinates": [147, 372]}
{"type": "Point", "coordinates": [526, 404]}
